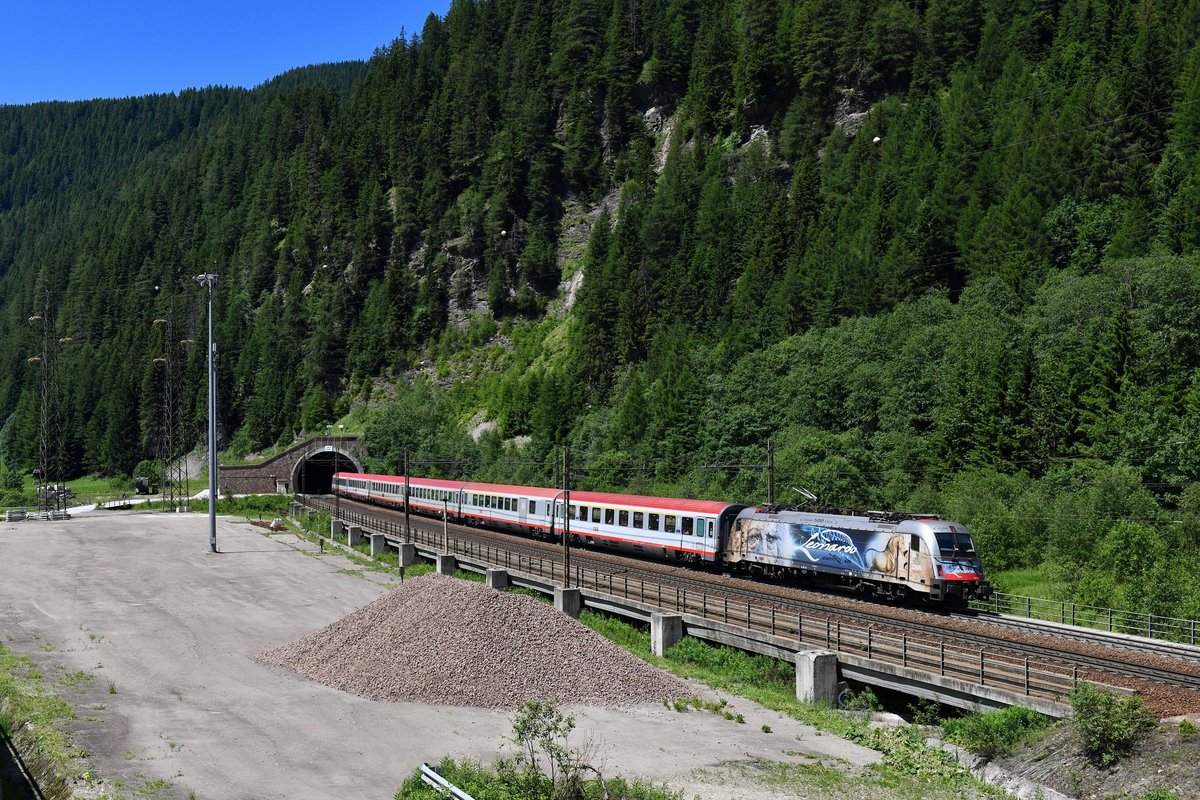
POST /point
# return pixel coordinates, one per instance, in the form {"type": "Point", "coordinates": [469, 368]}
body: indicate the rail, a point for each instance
{"type": "Point", "coordinates": [945, 658]}
{"type": "Point", "coordinates": [431, 776]}
{"type": "Point", "coordinates": [1132, 623]}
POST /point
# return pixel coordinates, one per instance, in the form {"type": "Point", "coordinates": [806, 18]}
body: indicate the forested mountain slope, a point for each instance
{"type": "Point", "coordinates": [943, 253]}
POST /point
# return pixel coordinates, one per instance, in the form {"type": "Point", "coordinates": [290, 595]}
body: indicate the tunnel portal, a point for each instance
{"type": "Point", "coordinates": [314, 473]}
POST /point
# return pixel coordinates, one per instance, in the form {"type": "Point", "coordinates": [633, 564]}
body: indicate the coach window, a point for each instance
{"type": "Point", "coordinates": [700, 527]}
{"type": "Point", "coordinates": [608, 516]}
{"type": "Point", "coordinates": [687, 526]}
{"type": "Point", "coordinates": [652, 524]}
{"type": "Point", "coordinates": [583, 513]}
{"type": "Point", "coordinates": [669, 523]}
{"type": "Point", "coordinates": [595, 513]}
{"type": "Point", "coordinates": [638, 516]}
{"type": "Point", "coordinates": [712, 528]}
{"type": "Point", "coordinates": [623, 518]}
{"type": "Point", "coordinates": [533, 506]}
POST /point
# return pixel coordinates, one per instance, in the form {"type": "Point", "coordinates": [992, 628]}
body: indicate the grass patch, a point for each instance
{"type": "Point", "coordinates": [29, 716]}
{"type": "Point", "coordinates": [75, 680]}
{"type": "Point", "coordinates": [996, 733]}
{"type": "Point", "coordinates": [255, 506]}
{"type": "Point", "coordinates": [1032, 582]}
{"type": "Point", "coordinates": [910, 768]}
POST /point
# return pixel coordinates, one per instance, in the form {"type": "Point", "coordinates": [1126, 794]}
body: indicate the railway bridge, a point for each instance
{"type": "Point", "coordinates": [305, 468]}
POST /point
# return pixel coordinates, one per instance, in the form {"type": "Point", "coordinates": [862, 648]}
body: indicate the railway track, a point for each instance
{"type": "Point", "coordinates": [1023, 655]}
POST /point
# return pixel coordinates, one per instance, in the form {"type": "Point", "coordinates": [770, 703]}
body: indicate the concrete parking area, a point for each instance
{"type": "Point", "coordinates": [152, 639]}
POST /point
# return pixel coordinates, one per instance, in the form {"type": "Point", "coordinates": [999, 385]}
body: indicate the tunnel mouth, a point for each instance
{"type": "Point", "coordinates": [314, 473]}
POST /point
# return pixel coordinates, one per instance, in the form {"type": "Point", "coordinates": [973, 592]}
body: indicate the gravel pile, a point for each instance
{"type": "Point", "coordinates": [444, 641]}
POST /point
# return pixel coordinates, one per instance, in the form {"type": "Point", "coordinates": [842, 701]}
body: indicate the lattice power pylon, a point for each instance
{"type": "Point", "coordinates": [51, 497]}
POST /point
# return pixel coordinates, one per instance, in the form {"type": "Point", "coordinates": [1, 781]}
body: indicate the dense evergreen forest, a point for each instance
{"type": "Point", "coordinates": [944, 254]}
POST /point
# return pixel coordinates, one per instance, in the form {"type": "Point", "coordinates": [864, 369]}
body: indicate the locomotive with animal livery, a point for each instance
{"type": "Point", "coordinates": [885, 554]}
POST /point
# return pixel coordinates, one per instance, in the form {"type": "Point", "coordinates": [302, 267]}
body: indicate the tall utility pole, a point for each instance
{"type": "Point", "coordinates": [770, 472]}
{"type": "Point", "coordinates": [407, 533]}
{"type": "Point", "coordinates": [171, 468]}
{"type": "Point", "coordinates": [50, 499]}
{"type": "Point", "coordinates": [209, 280]}
{"type": "Point", "coordinates": [566, 516]}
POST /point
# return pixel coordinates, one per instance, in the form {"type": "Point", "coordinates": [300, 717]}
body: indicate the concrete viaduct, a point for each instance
{"type": "Point", "coordinates": [306, 468]}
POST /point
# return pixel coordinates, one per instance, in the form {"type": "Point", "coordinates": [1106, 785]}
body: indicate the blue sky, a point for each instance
{"type": "Point", "coordinates": [54, 50]}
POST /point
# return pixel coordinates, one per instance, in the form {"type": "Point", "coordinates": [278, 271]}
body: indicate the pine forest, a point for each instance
{"type": "Point", "coordinates": [943, 255]}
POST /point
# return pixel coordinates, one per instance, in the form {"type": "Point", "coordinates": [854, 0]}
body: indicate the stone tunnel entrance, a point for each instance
{"type": "Point", "coordinates": [314, 473]}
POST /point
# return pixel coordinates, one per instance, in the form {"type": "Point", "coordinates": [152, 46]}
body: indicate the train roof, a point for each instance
{"type": "Point", "coordinates": [436, 483]}
{"type": "Point", "coordinates": [580, 497]}
{"type": "Point", "coordinates": [656, 503]}
{"type": "Point", "coordinates": [504, 488]}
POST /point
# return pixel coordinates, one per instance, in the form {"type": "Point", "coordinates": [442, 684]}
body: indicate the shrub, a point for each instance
{"type": "Point", "coordinates": [995, 733]}
{"type": "Point", "coordinates": [863, 700]}
{"type": "Point", "coordinates": [1107, 726]}
{"type": "Point", "coordinates": [926, 712]}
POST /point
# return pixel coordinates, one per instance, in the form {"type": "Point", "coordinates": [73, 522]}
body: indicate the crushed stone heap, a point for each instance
{"type": "Point", "coordinates": [444, 641]}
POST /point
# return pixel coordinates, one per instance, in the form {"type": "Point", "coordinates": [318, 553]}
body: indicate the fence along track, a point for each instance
{"type": "Point", "coordinates": [964, 657]}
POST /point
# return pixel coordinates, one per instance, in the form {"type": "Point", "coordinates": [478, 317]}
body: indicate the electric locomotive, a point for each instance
{"type": "Point", "coordinates": [889, 555]}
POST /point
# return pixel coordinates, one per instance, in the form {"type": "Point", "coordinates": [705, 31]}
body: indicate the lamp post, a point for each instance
{"type": "Point", "coordinates": [209, 280]}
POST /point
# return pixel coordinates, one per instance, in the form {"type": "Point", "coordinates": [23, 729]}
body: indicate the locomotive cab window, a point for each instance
{"type": "Point", "coordinates": [915, 544]}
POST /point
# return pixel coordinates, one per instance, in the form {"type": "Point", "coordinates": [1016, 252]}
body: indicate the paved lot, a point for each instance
{"type": "Point", "coordinates": [153, 638]}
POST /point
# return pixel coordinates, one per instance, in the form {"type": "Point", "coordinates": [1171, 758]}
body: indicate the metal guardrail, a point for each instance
{"type": "Point", "coordinates": [1132, 623]}
{"type": "Point", "coordinates": [431, 776]}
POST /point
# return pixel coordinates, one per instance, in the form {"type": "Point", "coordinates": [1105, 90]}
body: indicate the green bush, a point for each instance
{"type": "Point", "coordinates": [926, 712]}
{"type": "Point", "coordinates": [995, 733]}
{"type": "Point", "coordinates": [862, 700]}
{"type": "Point", "coordinates": [1108, 726]}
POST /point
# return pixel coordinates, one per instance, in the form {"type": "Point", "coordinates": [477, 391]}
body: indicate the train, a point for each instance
{"type": "Point", "coordinates": [889, 555]}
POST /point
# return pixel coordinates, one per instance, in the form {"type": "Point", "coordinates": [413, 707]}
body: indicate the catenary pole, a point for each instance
{"type": "Point", "coordinates": [208, 280]}
{"type": "Point", "coordinates": [566, 516]}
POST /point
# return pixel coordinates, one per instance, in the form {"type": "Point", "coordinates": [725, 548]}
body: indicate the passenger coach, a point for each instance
{"type": "Point", "coordinates": [689, 530]}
